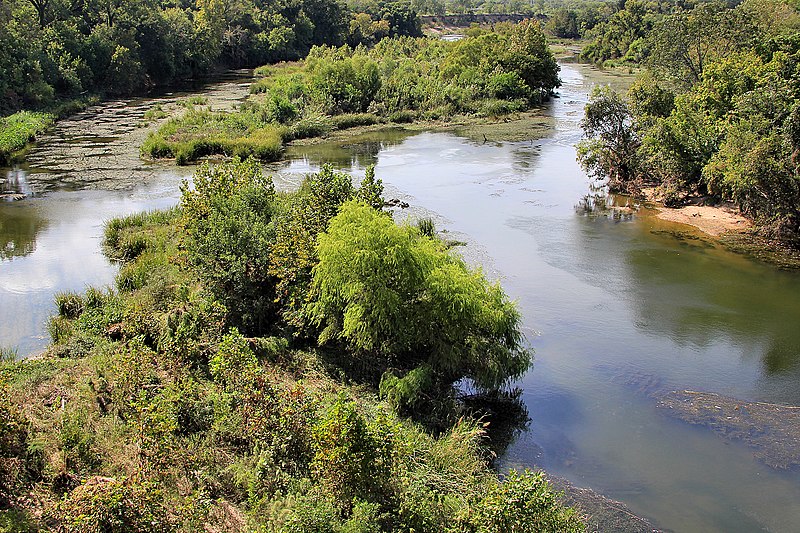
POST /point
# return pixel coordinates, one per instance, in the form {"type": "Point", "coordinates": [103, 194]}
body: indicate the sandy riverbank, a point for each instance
{"type": "Point", "coordinates": [713, 220]}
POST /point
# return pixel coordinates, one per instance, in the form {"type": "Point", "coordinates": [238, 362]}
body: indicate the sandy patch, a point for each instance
{"type": "Point", "coordinates": [713, 220]}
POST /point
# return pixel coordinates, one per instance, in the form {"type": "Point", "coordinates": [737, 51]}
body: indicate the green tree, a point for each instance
{"type": "Point", "coordinates": [611, 144]}
{"type": "Point", "coordinates": [684, 43]}
{"type": "Point", "coordinates": [401, 303]}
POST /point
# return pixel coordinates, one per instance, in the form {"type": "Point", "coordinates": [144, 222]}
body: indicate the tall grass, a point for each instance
{"type": "Point", "coordinates": [19, 129]}
{"type": "Point", "coordinates": [200, 133]}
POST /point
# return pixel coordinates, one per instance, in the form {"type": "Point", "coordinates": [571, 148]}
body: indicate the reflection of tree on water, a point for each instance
{"type": "Point", "coordinates": [504, 414]}
{"type": "Point", "coordinates": [600, 202]}
{"type": "Point", "coordinates": [360, 151]}
{"type": "Point", "coordinates": [19, 226]}
{"type": "Point", "coordinates": [701, 296]}
{"type": "Point", "coordinates": [14, 183]}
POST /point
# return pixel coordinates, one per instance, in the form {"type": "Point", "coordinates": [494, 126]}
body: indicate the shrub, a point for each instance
{"type": "Point", "coordinates": [524, 503]}
{"type": "Point", "coordinates": [230, 229]}
{"type": "Point", "coordinates": [234, 361]}
{"type": "Point", "coordinates": [354, 456]}
{"type": "Point", "coordinates": [103, 504]}
{"type": "Point", "coordinates": [352, 120]}
{"type": "Point", "coordinates": [402, 117]}
{"type": "Point", "coordinates": [389, 293]}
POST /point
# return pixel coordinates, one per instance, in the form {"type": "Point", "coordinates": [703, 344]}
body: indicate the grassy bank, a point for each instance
{"type": "Point", "coordinates": [270, 362]}
{"type": "Point", "coordinates": [17, 130]}
{"type": "Point", "coordinates": [400, 80]}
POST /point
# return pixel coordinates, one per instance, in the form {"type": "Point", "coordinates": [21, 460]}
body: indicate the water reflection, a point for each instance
{"type": "Point", "coordinates": [19, 225]}
{"type": "Point", "coordinates": [357, 152]}
{"type": "Point", "coordinates": [14, 185]}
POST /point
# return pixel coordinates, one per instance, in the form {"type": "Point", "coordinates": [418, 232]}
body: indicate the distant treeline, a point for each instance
{"type": "Point", "coordinates": [715, 112]}
{"type": "Point", "coordinates": [60, 49]}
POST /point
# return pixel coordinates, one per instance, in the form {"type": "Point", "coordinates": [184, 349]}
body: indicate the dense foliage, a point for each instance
{"type": "Point", "coordinates": [716, 114]}
{"type": "Point", "coordinates": [56, 48]}
{"type": "Point", "coordinates": [153, 411]}
{"type": "Point", "coordinates": [398, 80]}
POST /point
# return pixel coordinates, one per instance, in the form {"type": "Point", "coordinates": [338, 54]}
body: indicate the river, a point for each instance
{"type": "Point", "coordinates": [616, 306]}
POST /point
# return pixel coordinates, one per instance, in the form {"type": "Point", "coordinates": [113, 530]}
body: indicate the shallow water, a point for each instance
{"type": "Point", "coordinates": [616, 307]}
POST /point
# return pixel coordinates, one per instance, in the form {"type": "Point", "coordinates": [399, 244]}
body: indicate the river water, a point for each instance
{"type": "Point", "coordinates": [617, 307]}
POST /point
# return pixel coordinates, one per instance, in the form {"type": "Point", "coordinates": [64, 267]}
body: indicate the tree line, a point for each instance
{"type": "Point", "coordinates": [57, 49]}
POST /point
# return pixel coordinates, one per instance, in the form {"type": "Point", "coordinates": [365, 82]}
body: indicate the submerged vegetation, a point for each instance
{"type": "Point", "coordinates": [270, 362]}
{"type": "Point", "coordinates": [715, 115]}
{"type": "Point", "coordinates": [398, 80]}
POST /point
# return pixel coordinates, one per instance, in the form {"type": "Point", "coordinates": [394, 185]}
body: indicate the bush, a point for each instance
{"type": "Point", "coordinates": [402, 117]}
{"type": "Point", "coordinates": [389, 293]}
{"type": "Point", "coordinates": [103, 504]}
{"type": "Point", "coordinates": [230, 229]}
{"type": "Point", "coordinates": [353, 120]}
{"type": "Point", "coordinates": [70, 305]}
{"type": "Point", "coordinates": [524, 503]}
{"type": "Point", "coordinates": [354, 456]}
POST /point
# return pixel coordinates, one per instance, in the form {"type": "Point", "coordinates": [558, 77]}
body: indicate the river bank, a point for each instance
{"type": "Point", "coordinates": [726, 225]}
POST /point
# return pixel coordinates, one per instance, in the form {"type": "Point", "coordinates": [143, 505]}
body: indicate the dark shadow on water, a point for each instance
{"type": "Point", "coordinates": [504, 414]}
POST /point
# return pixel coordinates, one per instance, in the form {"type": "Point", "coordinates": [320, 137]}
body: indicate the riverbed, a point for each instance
{"type": "Point", "coordinates": [618, 304]}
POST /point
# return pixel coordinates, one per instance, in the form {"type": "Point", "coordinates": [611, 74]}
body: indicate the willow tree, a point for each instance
{"type": "Point", "coordinates": [408, 309]}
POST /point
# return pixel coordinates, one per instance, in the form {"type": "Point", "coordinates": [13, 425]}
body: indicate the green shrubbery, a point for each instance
{"type": "Point", "coordinates": [201, 133]}
{"type": "Point", "coordinates": [398, 80]}
{"type": "Point", "coordinates": [169, 418]}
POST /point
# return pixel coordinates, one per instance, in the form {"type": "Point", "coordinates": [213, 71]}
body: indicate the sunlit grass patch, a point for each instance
{"type": "Point", "coordinates": [19, 129]}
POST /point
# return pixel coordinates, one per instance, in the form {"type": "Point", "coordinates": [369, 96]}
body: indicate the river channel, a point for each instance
{"type": "Point", "coordinates": [617, 306]}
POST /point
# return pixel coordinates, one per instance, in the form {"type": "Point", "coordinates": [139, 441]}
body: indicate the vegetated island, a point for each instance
{"type": "Point", "coordinates": [487, 74]}
{"type": "Point", "coordinates": [271, 362]}
{"type": "Point", "coordinates": [712, 118]}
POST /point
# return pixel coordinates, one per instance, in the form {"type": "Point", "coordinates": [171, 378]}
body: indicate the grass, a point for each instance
{"type": "Point", "coordinates": [155, 113]}
{"type": "Point", "coordinates": [17, 130]}
{"type": "Point", "coordinates": [202, 133]}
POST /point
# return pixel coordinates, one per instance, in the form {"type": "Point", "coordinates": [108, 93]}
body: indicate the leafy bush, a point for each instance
{"type": "Point", "coordinates": [345, 121]}
{"type": "Point", "coordinates": [229, 221]}
{"type": "Point", "coordinates": [354, 456]}
{"type": "Point", "coordinates": [389, 293]}
{"type": "Point", "coordinates": [103, 504]}
{"type": "Point", "coordinates": [524, 503]}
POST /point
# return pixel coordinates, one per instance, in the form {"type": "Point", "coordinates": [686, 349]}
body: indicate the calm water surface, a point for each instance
{"type": "Point", "coordinates": [615, 307]}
